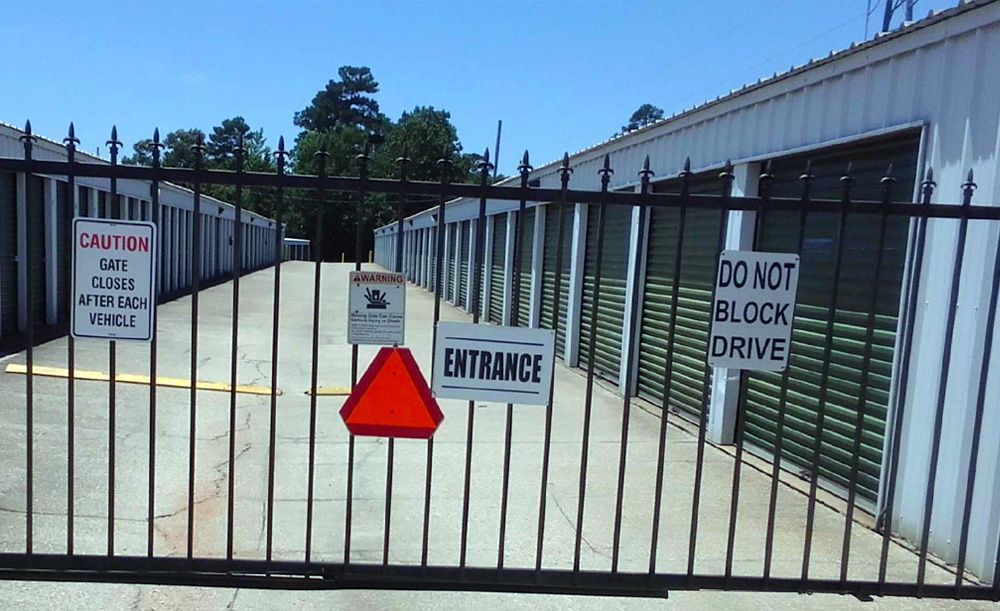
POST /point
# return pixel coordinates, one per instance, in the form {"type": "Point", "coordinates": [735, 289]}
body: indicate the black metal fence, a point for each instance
{"type": "Point", "coordinates": [539, 575]}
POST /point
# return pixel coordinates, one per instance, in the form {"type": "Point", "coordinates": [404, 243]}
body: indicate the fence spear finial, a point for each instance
{"type": "Point", "coordinates": [967, 188]}
{"type": "Point", "coordinates": [484, 165]}
{"type": "Point", "coordinates": [525, 166]}
{"type": "Point", "coordinates": [848, 176]}
{"type": "Point", "coordinates": [71, 140]}
{"type": "Point", "coordinates": [114, 143]}
{"type": "Point", "coordinates": [764, 181]}
{"type": "Point", "coordinates": [27, 127]}
{"type": "Point", "coordinates": [606, 170]}
{"type": "Point", "coordinates": [888, 176]}
{"type": "Point", "coordinates": [807, 175]}
{"type": "Point", "coordinates": [969, 179]}
{"type": "Point", "coordinates": [565, 170]}
{"type": "Point", "coordinates": [645, 173]}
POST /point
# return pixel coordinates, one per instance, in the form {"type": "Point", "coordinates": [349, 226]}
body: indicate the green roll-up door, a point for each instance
{"type": "Point", "coordinates": [549, 271]}
{"type": "Point", "coordinates": [779, 232]}
{"type": "Point", "coordinates": [497, 257]}
{"type": "Point", "coordinates": [8, 255]}
{"type": "Point", "coordinates": [524, 268]}
{"type": "Point", "coordinates": [37, 256]}
{"type": "Point", "coordinates": [449, 262]}
{"type": "Point", "coordinates": [463, 266]}
{"type": "Point", "coordinates": [694, 299]}
{"type": "Point", "coordinates": [611, 304]}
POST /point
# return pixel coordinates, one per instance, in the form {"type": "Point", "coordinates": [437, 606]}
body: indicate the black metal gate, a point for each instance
{"type": "Point", "coordinates": [546, 566]}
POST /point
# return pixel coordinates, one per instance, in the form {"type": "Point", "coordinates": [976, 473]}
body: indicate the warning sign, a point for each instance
{"type": "Point", "coordinates": [487, 363]}
{"type": "Point", "coordinates": [753, 310]}
{"type": "Point", "coordinates": [377, 308]}
{"type": "Point", "coordinates": [392, 399]}
{"type": "Point", "coordinates": [113, 279]}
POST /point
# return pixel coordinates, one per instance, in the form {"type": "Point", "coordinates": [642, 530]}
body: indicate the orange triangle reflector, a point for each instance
{"type": "Point", "coordinates": [392, 399]}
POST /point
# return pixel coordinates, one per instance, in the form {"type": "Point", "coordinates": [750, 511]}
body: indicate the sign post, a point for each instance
{"type": "Point", "coordinates": [753, 310]}
{"type": "Point", "coordinates": [487, 363]}
{"type": "Point", "coordinates": [376, 308]}
{"type": "Point", "coordinates": [114, 279]}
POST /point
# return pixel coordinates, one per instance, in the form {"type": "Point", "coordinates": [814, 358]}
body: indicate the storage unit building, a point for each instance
{"type": "Point", "coordinates": [924, 96]}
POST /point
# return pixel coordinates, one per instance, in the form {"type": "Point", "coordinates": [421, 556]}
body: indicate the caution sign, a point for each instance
{"type": "Point", "coordinates": [377, 308]}
{"type": "Point", "coordinates": [753, 310]}
{"type": "Point", "coordinates": [392, 399]}
{"type": "Point", "coordinates": [487, 363]}
{"type": "Point", "coordinates": [114, 279]}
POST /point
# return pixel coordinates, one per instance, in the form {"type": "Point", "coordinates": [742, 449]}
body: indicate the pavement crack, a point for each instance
{"type": "Point", "coordinates": [232, 601]}
{"type": "Point", "coordinates": [573, 526]}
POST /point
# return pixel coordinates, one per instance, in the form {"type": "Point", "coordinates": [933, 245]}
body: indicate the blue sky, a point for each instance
{"type": "Point", "coordinates": [561, 75]}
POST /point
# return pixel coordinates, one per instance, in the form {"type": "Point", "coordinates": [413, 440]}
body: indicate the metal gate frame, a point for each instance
{"type": "Point", "coordinates": [307, 573]}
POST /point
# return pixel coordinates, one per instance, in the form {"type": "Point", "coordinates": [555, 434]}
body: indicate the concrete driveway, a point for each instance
{"type": "Point", "coordinates": [291, 460]}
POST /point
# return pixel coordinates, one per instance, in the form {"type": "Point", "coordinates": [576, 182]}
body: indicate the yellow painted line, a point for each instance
{"type": "Point", "coordinates": [331, 391]}
{"type": "Point", "coordinates": [133, 378]}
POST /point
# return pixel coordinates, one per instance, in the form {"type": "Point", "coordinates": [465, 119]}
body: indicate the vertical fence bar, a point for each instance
{"type": "Point", "coordinates": [238, 154]}
{"type": "Point", "coordinates": [726, 178]}
{"type": "Point", "coordinates": [824, 380]}
{"type": "Point", "coordinates": [605, 173]}
{"type": "Point", "coordinates": [524, 169]}
{"type": "Point", "coordinates": [403, 162]}
{"type": "Point", "coordinates": [668, 377]}
{"type": "Point", "coordinates": [805, 179]}
{"type": "Point", "coordinates": [630, 361]}
{"type": "Point", "coordinates": [199, 152]}
{"type": "Point", "coordinates": [734, 496]}
{"type": "Point", "coordinates": [445, 167]}
{"type": "Point", "coordinates": [275, 324]}
{"type": "Point", "coordinates": [564, 173]}
{"type": "Point", "coordinates": [913, 290]}
{"type": "Point", "coordinates": [354, 380]}
{"type": "Point", "coordinates": [949, 336]}
{"type": "Point", "coordinates": [887, 183]}
{"type": "Point", "coordinates": [156, 213]}
{"type": "Point", "coordinates": [484, 180]}
{"type": "Point", "coordinates": [977, 427]}
{"type": "Point", "coordinates": [28, 141]}
{"type": "Point", "coordinates": [71, 189]}
{"type": "Point", "coordinates": [320, 158]}
{"type": "Point", "coordinates": [114, 206]}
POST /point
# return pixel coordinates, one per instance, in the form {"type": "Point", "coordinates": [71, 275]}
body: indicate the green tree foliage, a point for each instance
{"type": "Point", "coordinates": [643, 116]}
{"type": "Point", "coordinates": [178, 148]}
{"type": "Point", "coordinates": [425, 134]}
{"type": "Point", "coordinates": [142, 153]}
{"type": "Point", "coordinates": [344, 118]}
{"type": "Point", "coordinates": [222, 142]}
{"type": "Point", "coordinates": [346, 102]}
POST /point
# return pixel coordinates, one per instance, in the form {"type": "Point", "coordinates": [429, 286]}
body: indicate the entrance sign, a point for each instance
{"type": "Point", "coordinates": [488, 363]}
{"type": "Point", "coordinates": [753, 310]}
{"type": "Point", "coordinates": [392, 399]}
{"type": "Point", "coordinates": [114, 280]}
{"type": "Point", "coordinates": [376, 308]}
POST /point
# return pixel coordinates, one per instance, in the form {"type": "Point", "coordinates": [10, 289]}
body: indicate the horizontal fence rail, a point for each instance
{"type": "Point", "coordinates": [626, 492]}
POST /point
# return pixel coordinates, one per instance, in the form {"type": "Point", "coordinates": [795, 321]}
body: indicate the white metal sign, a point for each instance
{"type": "Point", "coordinates": [114, 279]}
{"type": "Point", "coordinates": [488, 363]}
{"type": "Point", "coordinates": [753, 310]}
{"type": "Point", "coordinates": [377, 308]}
